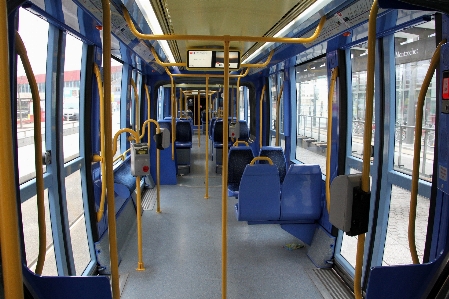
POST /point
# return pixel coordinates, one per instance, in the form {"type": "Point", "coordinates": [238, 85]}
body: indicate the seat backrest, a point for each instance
{"type": "Point", "coordinates": [259, 196]}
{"type": "Point", "coordinates": [183, 131]}
{"type": "Point", "coordinates": [301, 193]}
{"type": "Point", "coordinates": [211, 127]}
{"type": "Point", "coordinates": [239, 157]}
{"type": "Point", "coordinates": [218, 132]}
{"type": "Point", "coordinates": [276, 154]}
{"type": "Point", "coordinates": [244, 131]}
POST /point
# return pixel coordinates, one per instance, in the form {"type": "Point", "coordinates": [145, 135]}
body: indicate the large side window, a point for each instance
{"type": "Point", "coordinates": [116, 90]}
{"type": "Point", "coordinates": [311, 106]}
{"type": "Point", "coordinates": [35, 37]}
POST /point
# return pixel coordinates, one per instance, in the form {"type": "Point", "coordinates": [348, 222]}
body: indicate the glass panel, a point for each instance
{"type": "Point", "coordinates": [77, 223]}
{"type": "Point", "coordinates": [312, 99]}
{"type": "Point", "coordinates": [242, 100]}
{"type": "Point", "coordinates": [71, 115]}
{"type": "Point", "coordinates": [397, 250]}
{"type": "Point", "coordinates": [359, 62]}
{"type": "Point", "coordinates": [116, 89]}
{"type": "Point", "coordinates": [35, 38]}
{"type": "Point", "coordinates": [412, 62]}
{"type": "Point", "coordinates": [31, 235]}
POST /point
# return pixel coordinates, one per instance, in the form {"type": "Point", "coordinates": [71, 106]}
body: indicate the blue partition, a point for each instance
{"type": "Point", "coordinates": [67, 287]}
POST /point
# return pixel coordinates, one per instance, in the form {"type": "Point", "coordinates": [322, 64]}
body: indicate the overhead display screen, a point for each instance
{"type": "Point", "coordinates": [212, 59]}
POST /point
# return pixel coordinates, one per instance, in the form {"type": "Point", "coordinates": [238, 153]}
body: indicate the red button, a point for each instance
{"type": "Point", "coordinates": [445, 88]}
{"type": "Point", "coordinates": [145, 168]}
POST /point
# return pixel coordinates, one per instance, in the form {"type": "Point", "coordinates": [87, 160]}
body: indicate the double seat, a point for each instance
{"type": "Point", "coordinates": [263, 199]}
{"type": "Point", "coordinates": [241, 156]}
{"type": "Point", "coordinates": [217, 138]}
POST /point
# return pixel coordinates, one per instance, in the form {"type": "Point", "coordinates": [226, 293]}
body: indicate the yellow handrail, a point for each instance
{"type": "Point", "coordinates": [158, 60]}
{"type": "Point", "coordinates": [329, 137]}
{"type": "Point", "coordinates": [259, 65]}
{"type": "Point", "coordinates": [225, 38]}
{"type": "Point", "coordinates": [117, 134]}
{"type": "Point", "coordinates": [9, 228]}
{"type": "Point", "coordinates": [278, 104]}
{"type": "Point", "coordinates": [224, 189]}
{"type": "Point", "coordinates": [260, 116]}
{"type": "Point", "coordinates": [240, 142]}
{"type": "Point", "coordinates": [137, 106]}
{"type": "Point", "coordinates": [148, 111]}
{"type": "Point", "coordinates": [173, 118]}
{"type": "Point", "coordinates": [122, 156]}
{"type": "Point", "coordinates": [261, 159]}
{"type": "Point", "coordinates": [103, 166]}
{"type": "Point", "coordinates": [366, 141]}
{"type": "Point", "coordinates": [206, 170]}
{"type": "Point", "coordinates": [199, 118]}
{"type": "Point", "coordinates": [112, 229]}
{"type": "Point", "coordinates": [417, 149]}
{"type": "Point", "coordinates": [21, 51]}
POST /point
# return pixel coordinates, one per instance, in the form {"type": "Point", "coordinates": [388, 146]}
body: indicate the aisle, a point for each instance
{"type": "Point", "coordinates": [182, 248]}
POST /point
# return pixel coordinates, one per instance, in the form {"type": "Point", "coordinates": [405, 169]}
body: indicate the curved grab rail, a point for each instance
{"type": "Point", "coordinates": [260, 115]}
{"type": "Point", "coordinates": [261, 159]}
{"type": "Point", "coordinates": [417, 149]}
{"type": "Point", "coordinates": [124, 130]}
{"type": "Point", "coordinates": [240, 142]}
{"type": "Point", "coordinates": [265, 39]}
{"type": "Point", "coordinates": [21, 51]}
{"type": "Point", "coordinates": [278, 121]}
{"type": "Point", "coordinates": [103, 166]}
{"type": "Point", "coordinates": [329, 137]}
{"type": "Point", "coordinates": [137, 105]}
{"type": "Point", "coordinates": [259, 65]}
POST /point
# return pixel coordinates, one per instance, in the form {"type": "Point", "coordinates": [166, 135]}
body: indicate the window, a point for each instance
{"type": "Point", "coordinates": [311, 108]}
{"type": "Point", "coordinates": [35, 39]}
{"type": "Point", "coordinates": [412, 62]}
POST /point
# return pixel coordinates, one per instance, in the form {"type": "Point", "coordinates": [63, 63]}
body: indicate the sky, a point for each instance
{"type": "Point", "coordinates": [35, 37]}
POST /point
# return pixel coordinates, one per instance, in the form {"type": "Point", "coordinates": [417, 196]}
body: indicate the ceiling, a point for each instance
{"type": "Point", "coordinates": [224, 17]}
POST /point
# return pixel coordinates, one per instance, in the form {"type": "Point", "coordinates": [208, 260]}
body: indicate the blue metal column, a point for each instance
{"type": "Point", "coordinates": [54, 141]}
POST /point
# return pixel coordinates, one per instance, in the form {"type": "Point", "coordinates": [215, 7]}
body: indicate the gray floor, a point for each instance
{"type": "Point", "coordinates": [182, 248]}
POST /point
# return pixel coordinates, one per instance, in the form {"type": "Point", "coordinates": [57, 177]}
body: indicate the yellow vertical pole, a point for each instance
{"type": "Point", "coordinates": [224, 175]}
{"type": "Point", "coordinates": [112, 229]}
{"type": "Point", "coordinates": [366, 141]}
{"type": "Point", "coordinates": [260, 116]}
{"type": "Point", "coordinates": [232, 101]}
{"type": "Point", "coordinates": [207, 135]}
{"type": "Point", "coordinates": [173, 116]}
{"type": "Point", "coordinates": [9, 228]}
{"type": "Point", "coordinates": [238, 99]}
{"type": "Point", "coordinates": [137, 107]}
{"type": "Point", "coordinates": [278, 113]}
{"type": "Point", "coordinates": [140, 264]}
{"type": "Point", "coordinates": [148, 113]}
{"type": "Point", "coordinates": [180, 102]}
{"type": "Point", "coordinates": [199, 118]}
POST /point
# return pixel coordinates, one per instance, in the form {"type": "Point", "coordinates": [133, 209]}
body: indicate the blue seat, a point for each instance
{"type": "Point", "coordinates": [183, 134]}
{"type": "Point", "coordinates": [259, 196]}
{"type": "Point", "coordinates": [238, 158]}
{"type": "Point", "coordinates": [301, 193]}
{"type": "Point", "coordinates": [276, 154]}
{"type": "Point", "coordinates": [244, 130]}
